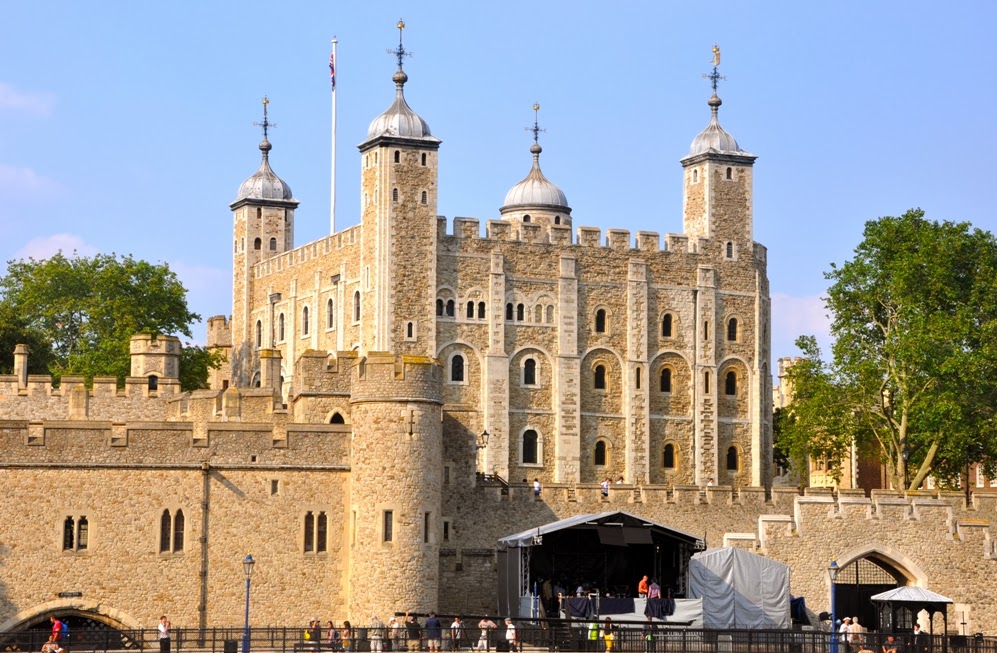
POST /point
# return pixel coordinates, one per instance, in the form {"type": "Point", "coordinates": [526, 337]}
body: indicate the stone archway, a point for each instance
{"type": "Point", "coordinates": [94, 610]}
{"type": "Point", "coordinates": [867, 570]}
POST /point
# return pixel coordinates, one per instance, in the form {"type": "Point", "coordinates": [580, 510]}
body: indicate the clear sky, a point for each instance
{"type": "Point", "coordinates": [127, 126]}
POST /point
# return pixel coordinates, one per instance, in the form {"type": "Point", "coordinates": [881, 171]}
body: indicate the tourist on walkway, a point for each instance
{"type": "Point", "coordinates": [164, 634]}
{"type": "Point", "coordinates": [375, 632]}
{"type": "Point", "coordinates": [485, 625]}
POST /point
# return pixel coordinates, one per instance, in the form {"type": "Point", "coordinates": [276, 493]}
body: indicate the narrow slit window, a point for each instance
{"type": "Point", "coordinates": [389, 526]}
{"type": "Point", "coordinates": [599, 381]}
{"type": "Point", "coordinates": [600, 321]}
{"type": "Point", "coordinates": [732, 329]}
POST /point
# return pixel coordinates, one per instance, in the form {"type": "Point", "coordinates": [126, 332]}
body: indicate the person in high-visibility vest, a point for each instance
{"type": "Point", "coordinates": [593, 636]}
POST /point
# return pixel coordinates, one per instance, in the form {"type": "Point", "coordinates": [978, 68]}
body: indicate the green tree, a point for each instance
{"type": "Point", "coordinates": [87, 308]}
{"type": "Point", "coordinates": [195, 363]}
{"type": "Point", "coordinates": [914, 367]}
{"type": "Point", "coordinates": [15, 330]}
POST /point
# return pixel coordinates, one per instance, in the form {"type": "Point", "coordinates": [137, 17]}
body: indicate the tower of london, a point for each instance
{"type": "Point", "coordinates": [391, 391]}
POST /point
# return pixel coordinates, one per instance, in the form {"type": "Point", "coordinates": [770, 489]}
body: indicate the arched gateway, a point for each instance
{"type": "Point", "coordinates": [869, 570]}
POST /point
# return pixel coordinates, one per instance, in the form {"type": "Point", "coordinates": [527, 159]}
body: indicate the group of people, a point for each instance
{"type": "Point", "coordinates": [54, 642]}
{"type": "Point", "coordinates": [408, 634]}
{"type": "Point", "coordinates": [851, 635]}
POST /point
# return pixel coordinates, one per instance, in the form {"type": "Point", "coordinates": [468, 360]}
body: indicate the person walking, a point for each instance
{"type": "Point", "coordinates": [537, 487]}
{"type": "Point", "coordinates": [485, 625]}
{"type": "Point", "coordinates": [164, 634]}
{"type": "Point", "coordinates": [604, 487]}
{"type": "Point", "coordinates": [609, 634]}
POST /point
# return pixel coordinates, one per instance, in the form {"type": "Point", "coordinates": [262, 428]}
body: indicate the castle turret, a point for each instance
{"type": "Point", "coordinates": [717, 191]}
{"type": "Point", "coordinates": [536, 199]}
{"type": "Point", "coordinates": [397, 475]}
{"type": "Point", "coordinates": [399, 180]}
{"type": "Point", "coordinates": [263, 215]}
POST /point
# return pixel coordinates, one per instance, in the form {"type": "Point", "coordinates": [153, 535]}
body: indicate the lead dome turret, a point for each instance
{"type": "Point", "coordinates": [536, 199]}
{"type": "Point", "coordinates": [264, 184]}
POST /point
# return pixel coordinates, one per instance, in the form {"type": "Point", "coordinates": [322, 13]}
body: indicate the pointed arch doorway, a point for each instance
{"type": "Point", "coordinates": [868, 570]}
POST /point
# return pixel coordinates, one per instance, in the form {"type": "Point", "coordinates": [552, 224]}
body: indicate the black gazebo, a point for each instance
{"type": "Point", "coordinates": [898, 608]}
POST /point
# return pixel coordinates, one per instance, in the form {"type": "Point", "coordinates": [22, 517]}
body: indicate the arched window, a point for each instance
{"type": "Point", "coordinates": [178, 524]}
{"type": "Point", "coordinates": [637, 377]}
{"type": "Point", "coordinates": [321, 533]}
{"type": "Point", "coordinates": [337, 419]}
{"type": "Point", "coordinates": [730, 249]}
{"type": "Point", "coordinates": [668, 456]}
{"type": "Point", "coordinates": [666, 325]}
{"type": "Point", "coordinates": [165, 530]}
{"type": "Point", "coordinates": [153, 381]}
{"type": "Point", "coordinates": [599, 382]}
{"type": "Point", "coordinates": [481, 310]}
{"type": "Point", "coordinates": [309, 532]}
{"type": "Point", "coordinates": [538, 314]}
{"type": "Point", "coordinates": [508, 311]}
{"type": "Point", "coordinates": [706, 383]}
{"type": "Point", "coordinates": [257, 244]}
{"type": "Point", "coordinates": [410, 330]}
{"type": "Point", "coordinates": [394, 194]}
{"type": "Point", "coordinates": [600, 321]}
{"type": "Point", "coordinates": [526, 218]}
{"type": "Point", "coordinates": [557, 219]}
{"type": "Point", "coordinates": [550, 314]}
{"type": "Point", "coordinates": [732, 459]}
{"type": "Point", "coordinates": [666, 379]}
{"type": "Point", "coordinates": [273, 244]}
{"type": "Point", "coordinates": [423, 158]}
{"type": "Point", "coordinates": [457, 368]}
{"type": "Point", "coordinates": [529, 372]}
{"type": "Point", "coordinates": [450, 308]}
{"type": "Point", "coordinates": [730, 384]}
{"type": "Point", "coordinates": [695, 176]}
{"type": "Point", "coordinates": [398, 156]}
{"type": "Point", "coordinates": [304, 321]}
{"type": "Point", "coordinates": [520, 312]}
{"type": "Point", "coordinates": [439, 307]}
{"type": "Point", "coordinates": [259, 334]}
{"type": "Point", "coordinates": [600, 454]}
{"type": "Point", "coordinates": [330, 314]}
{"type": "Point", "coordinates": [530, 442]}
{"type": "Point", "coordinates": [280, 327]}
{"type": "Point", "coordinates": [356, 306]}
{"type": "Point", "coordinates": [470, 310]}
{"type": "Point", "coordinates": [730, 173]}
{"type": "Point", "coordinates": [425, 197]}
{"type": "Point", "coordinates": [732, 329]}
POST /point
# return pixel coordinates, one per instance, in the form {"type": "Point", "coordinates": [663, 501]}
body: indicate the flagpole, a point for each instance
{"type": "Point", "coordinates": [333, 63]}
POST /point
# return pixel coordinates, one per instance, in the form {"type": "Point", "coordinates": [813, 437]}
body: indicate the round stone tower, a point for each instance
{"type": "Point", "coordinates": [397, 474]}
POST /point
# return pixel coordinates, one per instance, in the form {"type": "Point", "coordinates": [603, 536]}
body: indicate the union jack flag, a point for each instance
{"type": "Point", "coordinates": [332, 70]}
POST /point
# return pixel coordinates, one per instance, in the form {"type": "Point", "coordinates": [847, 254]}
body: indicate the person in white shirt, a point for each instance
{"type": "Point", "coordinates": [510, 634]}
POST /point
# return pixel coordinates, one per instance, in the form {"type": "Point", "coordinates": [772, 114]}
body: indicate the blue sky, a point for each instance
{"type": "Point", "coordinates": [127, 126]}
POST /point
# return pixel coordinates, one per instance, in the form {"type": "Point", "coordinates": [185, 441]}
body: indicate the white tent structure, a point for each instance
{"type": "Point", "coordinates": [740, 589]}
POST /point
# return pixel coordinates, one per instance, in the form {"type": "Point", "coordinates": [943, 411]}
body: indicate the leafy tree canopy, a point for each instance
{"type": "Point", "coordinates": [77, 314]}
{"type": "Point", "coordinates": [914, 365]}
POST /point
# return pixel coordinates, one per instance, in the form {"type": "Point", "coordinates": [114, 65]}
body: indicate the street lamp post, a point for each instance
{"type": "Point", "coordinates": [832, 573]}
{"type": "Point", "coordinates": [247, 565]}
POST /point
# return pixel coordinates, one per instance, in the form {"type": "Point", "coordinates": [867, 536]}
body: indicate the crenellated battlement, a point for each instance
{"type": "Point", "coordinates": [219, 331]}
{"type": "Point", "coordinates": [383, 376]}
{"type": "Point", "coordinates": [615, 239]}
{"type": "Point", "coordinates": [313, 250]}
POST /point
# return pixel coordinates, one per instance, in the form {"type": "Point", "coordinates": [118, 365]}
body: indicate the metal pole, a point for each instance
{"type": "Point", "coordinates": [833, 574]}
{"type": "Point", "coordinates": [245, 632]}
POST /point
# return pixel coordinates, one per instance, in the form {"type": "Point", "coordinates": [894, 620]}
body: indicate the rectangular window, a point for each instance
{"type": "Point", "coordinates": [446, 530]}
{"type": "Point", "coordinates": [274, 487]}
{"type": "Point", "coordinates": [446, 474]}
{"type": "Point", "coordinates": [425, 527]}
{"type": "Point", "coordinates": [353, 528]}
{"type": "Point", "coordinates": [68, 534]}
{"type": "Point", "coordinates": [389, 526]}
{"type": "Point", "coordinates": [178, 528]}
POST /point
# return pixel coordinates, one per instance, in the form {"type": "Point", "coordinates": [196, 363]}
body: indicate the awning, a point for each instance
{"type": "Point", "coordinates": [616, 528]}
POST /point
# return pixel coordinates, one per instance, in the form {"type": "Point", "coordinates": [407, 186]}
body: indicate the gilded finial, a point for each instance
{"type": "Point", "coordinates": [400, 52]}
{"type": "Point", "coordinates": [265, 124]}
{"type": "Point", "coordinates": [536, 129]}
{"type": "Point", "coordinates": [714, 76]}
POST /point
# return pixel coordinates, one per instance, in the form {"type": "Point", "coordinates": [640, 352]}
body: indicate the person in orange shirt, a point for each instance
{"type": "Point", "coordinates": [642, 587]}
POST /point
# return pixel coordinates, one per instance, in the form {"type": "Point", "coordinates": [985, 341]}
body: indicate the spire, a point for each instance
{"type": "Point", "coordinates": [400, 52]}
{"type": "Point", "coordinates": [536, 130]}
{"type": "Point", "coordinates": [714, 137]}
{"type": "Point", "coordinates": [714, 77]}
{"type": "Point", "coordinates": [265, 146]}
{"type": "Point", "coordinates": [399, 120]}
{"type": "Point", "coordinates": [265, 184]}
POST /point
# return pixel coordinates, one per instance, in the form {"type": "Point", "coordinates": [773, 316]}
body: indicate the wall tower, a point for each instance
{"type": "Point", "coordinates": [399, 181]}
